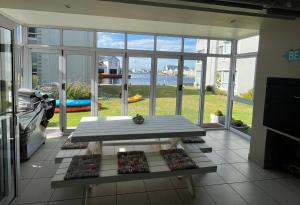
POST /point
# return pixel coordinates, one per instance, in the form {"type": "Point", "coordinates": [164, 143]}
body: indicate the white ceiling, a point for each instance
{"type": "Point", "coordinates": [127, 17]}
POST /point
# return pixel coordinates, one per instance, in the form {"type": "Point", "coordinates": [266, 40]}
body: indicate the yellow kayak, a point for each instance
{"type": "Point", "coordinates": [135, 98]}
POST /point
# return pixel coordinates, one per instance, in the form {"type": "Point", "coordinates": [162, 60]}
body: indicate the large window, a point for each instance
{"type": "Point", "coordinates": [43, 36]}
{"type": "Point", "coordinates": [248, 45]}
{"type": "Point", "coordinates": [168, 43]}
{"type": "Point", "coordinates": [110, 40]}
{"type": "Point", "coordinates": [216, 89]}
{"type": "Point", "coordinates": [194, 45]}
{"type": "Point", "coordinates": [140, 42]}
{"type": "Point", "coordinates": [220, 47]}
{"type": "Point", "coordinates": [242, 103]}
{"type": "Point", "coordinates": [78, 38]}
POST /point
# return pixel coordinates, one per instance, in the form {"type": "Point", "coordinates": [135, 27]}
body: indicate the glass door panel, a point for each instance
{"type": "Point", "coordinates": [78, 88]}
{"type": "Point", "coordinates": [139, 82]}
{"type": "Point", "coordinates": [192, 80]}
{"type": "Point", "coordinates": [45, 77]}
{"type": "Point", "coordinates": [110, 80]}
{"type": "Point", "coordinates": [8, 177]}
{"type": "Point", "coordinates": [216, 89]}
{"type": "Point", "coordinates": [166, 86]}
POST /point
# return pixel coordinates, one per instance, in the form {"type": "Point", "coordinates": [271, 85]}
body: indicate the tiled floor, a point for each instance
{"type": "Point", "coordinates": [236, 182]}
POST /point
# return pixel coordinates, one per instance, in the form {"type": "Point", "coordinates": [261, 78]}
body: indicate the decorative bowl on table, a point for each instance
{"type": "Point", "coordinates": [138, 119]}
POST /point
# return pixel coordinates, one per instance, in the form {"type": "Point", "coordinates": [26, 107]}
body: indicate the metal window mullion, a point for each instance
{"type": "Point", "coordinates": [179, 85]}
{"type": "Point", "coordinates": [62, 93]}
{"type": "Point", "coordinates": [231, 85]}
{"type": "Point", "coordinates": [202, 92]}
{"type": "Point", "coordinates": [94, 87]}
{"type": "Point", "coordinates": [125, 84]}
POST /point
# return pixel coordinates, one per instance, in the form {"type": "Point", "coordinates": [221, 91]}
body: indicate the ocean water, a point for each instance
{"type": "Point", "coordinates": [144, 79]}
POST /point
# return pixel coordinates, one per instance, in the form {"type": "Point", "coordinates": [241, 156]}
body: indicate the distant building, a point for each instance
{"type": "Point", "coordinates": [109, 65]}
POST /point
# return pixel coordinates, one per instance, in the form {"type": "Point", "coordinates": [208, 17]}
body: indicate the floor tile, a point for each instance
{"type": "Point", "coordinates": [253, 171]}
{"type": "Point", "coordinates": [178, 182]}
{"type": "Point", "coordinates": [279, 192]}
{"type": "Point", "coordinates": [164, 197]}
{"type": "Point", "coordinates": [38, 190]}
{"type": "Point", "coordinates": [128, 187]}
{"type": "Point", "coordinates": [67, 193]}
{"type": "Point", "coordinates": [28, 169]}
{"type": "Point", "coordinates": [66, 202]}
{"type": "Point", "coordinates": [215, 158]}
{"type": "Point", "coordinates": [253, 194]}
{"type": "Point", "coordinates": [40, 155]}
{"type": "Point", "coordinates": [291, 183]}
{"type": "Point", "coordinates": [23, 184]}
{"type": "Point", "coordinates": [201, 197]}
{"type": "Point", "coordinates": [105, 200]}
{"type": "Point", "coordinates": [208, 179]}
{"type": "Point", "coordinates": [103, 190]}
{"type": "Point", "coordinates": [242, 153]}
{"type": "Point", "coordinates": [132, 199]}
{"type": "Point", "coordinates": [230, 174]}
{"type": "Point", "coordinates": [158, 184]}
{"type": "Point", "coordinates": [224, 195]}
{"type": "Point", "coordinates": [47, 169]}
{"type": "Point", "coordinates": [229, 156]}
{"type": "Point", "coordinates": [53, 154]}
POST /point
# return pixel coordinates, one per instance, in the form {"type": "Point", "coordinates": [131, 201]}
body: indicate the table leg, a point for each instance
{"type": "Point", "coordinates": [94, 148]}
{"type": "Point", "coordinates": [85, 195]}
{"type": "Point", "coordinates": [190, 185]}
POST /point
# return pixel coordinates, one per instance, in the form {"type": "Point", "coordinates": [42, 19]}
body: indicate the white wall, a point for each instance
{"type": "Point", "coordinates": [275, 40]}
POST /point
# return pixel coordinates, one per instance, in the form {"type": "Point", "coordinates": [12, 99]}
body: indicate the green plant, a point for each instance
{"type": "Point", "coordinates": [220, 92]}
{"type": "Point", "coordinates": [218, 113]}
{"type": "Point", "coordinates": [35, 82]}
{"type": "Point", "coordinates": [210, 88]}
{"type": "Point", "coordinates": [248, 95]}
{"type": "Point", "coordinates": [238, 123]}
{"type": "Point", "coordinates": [78, 90]}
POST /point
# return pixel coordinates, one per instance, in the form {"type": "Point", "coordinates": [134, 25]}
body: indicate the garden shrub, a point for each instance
{"type": "Point", "coordinates": [210, 88]}
{"type": "Point", "coordinates": [78, 90]}
{"type": "Point", "coordinates": [218, 113]}
{"type": "Point", "coordinates": [248, 95]}
{"type": "Point", "coordinates": [220, 92]}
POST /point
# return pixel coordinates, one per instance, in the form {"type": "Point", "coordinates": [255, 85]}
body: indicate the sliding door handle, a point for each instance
{"type": "Point", "coordinates": [125, 86]}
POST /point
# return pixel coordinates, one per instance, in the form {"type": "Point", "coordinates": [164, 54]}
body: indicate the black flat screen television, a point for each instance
{"type": "Point", "coordinates": [282, 105]}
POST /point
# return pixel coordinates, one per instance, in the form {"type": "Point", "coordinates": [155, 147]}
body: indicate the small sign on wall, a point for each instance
{"type": "Point", "coordinates": [292, 55]}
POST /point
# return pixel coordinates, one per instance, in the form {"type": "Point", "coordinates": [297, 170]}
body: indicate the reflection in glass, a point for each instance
{"type": "Point", "coordinates": [78, 87]}
{"type": "Point", "coordinates": [139, 85]}
{"type": "Point", "coordinates": [43, 36]}
{"type": "Point", "coordinates": [168, 43]}
{"type": "Point", "coordinates": [140, 42]}
{"type": "Point", "coordinates": [78, 38]}
{"type": "Point", "coordinates": [110, 40]}
{"type": "Point", "coordinates": [110, 70]}
{"type": "Point", "coordinates": [220, 47]}
{"type": "Point", "coordinates": [166, 86]}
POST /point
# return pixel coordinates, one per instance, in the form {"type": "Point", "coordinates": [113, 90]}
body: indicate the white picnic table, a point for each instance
{"type": "Point", "coordinates": [123, 128]}
{"type": "Point", "coordinates": [99, 129]}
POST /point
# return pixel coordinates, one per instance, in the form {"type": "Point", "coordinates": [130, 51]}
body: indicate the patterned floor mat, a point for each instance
{"type": "Point", "coordinates": [132, 162]}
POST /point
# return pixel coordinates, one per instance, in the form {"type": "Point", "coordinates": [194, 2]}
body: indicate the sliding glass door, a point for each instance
{"type": "Point", "coordinates": [166, 81]}
{"type": "Point", "coordinates": [192, 72]}
{"type": "Point", "coordinates": [79, 77]}
{"type": "Point", "coordinates": [46, 75]}
{"type": "Point", "coordinates": [139, 80]}
{"type": "Point", "coordinates": [110, 73]}
{"type": "Point", "coordinates": [8, 135]}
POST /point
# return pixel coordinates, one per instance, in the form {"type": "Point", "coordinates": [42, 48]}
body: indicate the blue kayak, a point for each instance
{"type": "Point", "coordinates": [75, 103]}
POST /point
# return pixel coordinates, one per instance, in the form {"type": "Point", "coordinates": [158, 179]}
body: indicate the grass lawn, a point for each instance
{"type": "Point", "coordinates": [165, 104]}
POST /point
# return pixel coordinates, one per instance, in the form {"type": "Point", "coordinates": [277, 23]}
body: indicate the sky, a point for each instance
{"type": "Point", "coordinates": [146, 42]}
